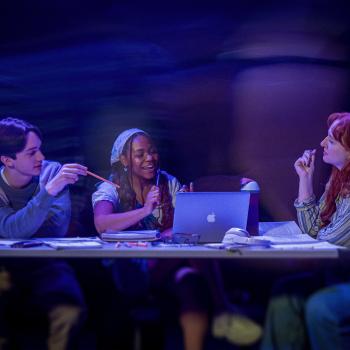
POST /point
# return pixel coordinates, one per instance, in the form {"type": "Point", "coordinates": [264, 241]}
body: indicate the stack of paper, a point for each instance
{"type": "Point", "coordinates": [279, 229]}
{"type": "Point", "coordinates": [142, 235]}
{"type": "Point", "coordinates": [72, 243]}
{"type": "Point", "coordinates": [55, 243]}
{"type": "Point", "coordinates": [287, 235]}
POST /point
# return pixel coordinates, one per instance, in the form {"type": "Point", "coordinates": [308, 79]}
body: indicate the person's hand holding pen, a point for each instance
{"type": "Point", "coordinates": [152, 199]}
{"type": "Point", "coordinates": [67, 175]}
{"type": "Point", "coordinates": [305, 165]}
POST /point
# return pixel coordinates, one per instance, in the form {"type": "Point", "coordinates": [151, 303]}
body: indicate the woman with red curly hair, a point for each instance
{"type": "Point", "coordinates": [313, 310]}
{"type": "Point", "coordinates": [329, 219]}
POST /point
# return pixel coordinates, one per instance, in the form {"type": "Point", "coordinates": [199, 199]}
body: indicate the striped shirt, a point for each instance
{"type": "Point", "coordinates": [337, 231]}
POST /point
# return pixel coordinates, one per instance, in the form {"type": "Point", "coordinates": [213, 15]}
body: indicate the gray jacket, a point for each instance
{"type": "Point", "coordinates": [43, 216]}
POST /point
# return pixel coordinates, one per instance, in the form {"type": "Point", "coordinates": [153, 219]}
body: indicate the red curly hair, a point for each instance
{"type": "Point", "coordinates": [339, 181]}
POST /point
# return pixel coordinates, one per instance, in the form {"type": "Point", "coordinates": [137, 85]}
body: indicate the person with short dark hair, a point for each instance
{"type": "Point", "coordinates": [34, 202]}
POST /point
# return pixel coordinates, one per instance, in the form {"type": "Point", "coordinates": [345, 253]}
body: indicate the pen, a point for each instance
{"type": "Point", "coordinates": [158, 176]}
{"type": "Point", "coordinates": [137, 244]}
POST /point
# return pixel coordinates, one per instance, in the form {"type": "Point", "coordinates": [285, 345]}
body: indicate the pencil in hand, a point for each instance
{"type": "Point", "coordinates": [102, 179]}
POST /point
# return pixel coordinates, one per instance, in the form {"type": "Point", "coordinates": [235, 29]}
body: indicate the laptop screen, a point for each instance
{"type": "Point", "coordinates": [208, 215]}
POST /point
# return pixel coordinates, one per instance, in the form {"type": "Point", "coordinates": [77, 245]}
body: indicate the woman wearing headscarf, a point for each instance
{"type": "Point", "coordinates": [145, 199]}
{"type": "Point", "coordinates": [139, 203]}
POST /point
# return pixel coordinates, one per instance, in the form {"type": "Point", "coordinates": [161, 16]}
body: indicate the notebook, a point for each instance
{"type": "Point", "coordinates": [204, 217]}
{"type": "Point", "coordinates": [141, 235]}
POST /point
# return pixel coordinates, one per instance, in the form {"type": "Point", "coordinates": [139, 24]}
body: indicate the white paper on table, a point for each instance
{"type": "Point", "coordinates": [279, 228]}
{"type": "Point", "coordinates": [72, 243]}
{"type": "Point", "coordinates": [287, 235]}
{"type": "Point", "coordinates": [9, 242]}
{"type": "Point", "coordinates": [317, 245]}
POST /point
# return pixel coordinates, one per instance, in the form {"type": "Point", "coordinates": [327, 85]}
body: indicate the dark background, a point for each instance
{"type": "Point", "coordinates": [235, 88]}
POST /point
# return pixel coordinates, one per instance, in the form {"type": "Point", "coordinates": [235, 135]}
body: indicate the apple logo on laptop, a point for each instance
{"type": "Point", "coordinates": [211, 217]}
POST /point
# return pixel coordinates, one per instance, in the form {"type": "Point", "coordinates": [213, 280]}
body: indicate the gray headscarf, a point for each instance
{"type": "Point", "coordinates": [120, 142]}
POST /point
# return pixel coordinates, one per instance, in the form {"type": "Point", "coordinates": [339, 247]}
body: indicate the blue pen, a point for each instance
{"type": "Point", "coordinates": [158, 176]}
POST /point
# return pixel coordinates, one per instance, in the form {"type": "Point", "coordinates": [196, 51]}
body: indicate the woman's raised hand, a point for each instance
{"type": "Point", "coordinates": [152, 199]}
{"type": "Point", "coordinates": [185, 188]}
{"type": "Point", "coordinates": [305, 165]}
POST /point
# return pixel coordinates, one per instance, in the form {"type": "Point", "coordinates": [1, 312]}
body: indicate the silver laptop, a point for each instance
{"type": "Point", "coordinates": [204, 217]}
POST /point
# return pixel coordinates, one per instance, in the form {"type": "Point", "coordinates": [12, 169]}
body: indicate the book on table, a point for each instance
{"type": "Point", "coordinates": [141, 235]}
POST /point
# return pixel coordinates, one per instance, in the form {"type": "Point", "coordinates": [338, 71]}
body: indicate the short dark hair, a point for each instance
{"type": "Point", "coordinates": [13, 136]}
